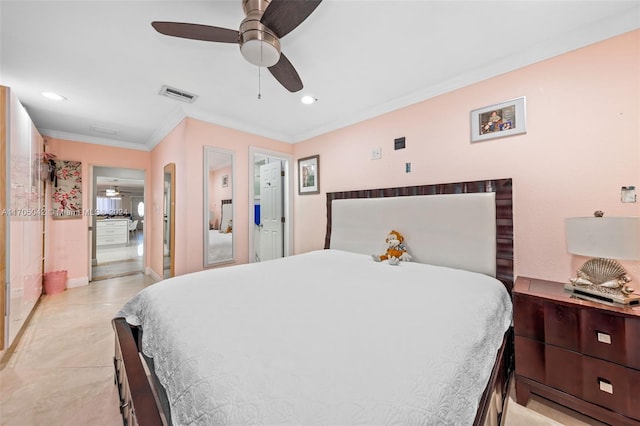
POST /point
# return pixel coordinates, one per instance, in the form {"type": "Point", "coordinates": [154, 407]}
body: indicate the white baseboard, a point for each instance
{"type": "Point", "coordinates": [77, 282]}
{"type": "Point", "coordinates": [154, 275]}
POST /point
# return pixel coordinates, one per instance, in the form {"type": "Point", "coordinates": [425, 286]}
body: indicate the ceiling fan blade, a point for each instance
{"type": "Point", "coordinates": [283, 16]}
{"type": "Point", "coordinates": [286, 74]}
{"type": "Point", "coordinates": [197, 32]}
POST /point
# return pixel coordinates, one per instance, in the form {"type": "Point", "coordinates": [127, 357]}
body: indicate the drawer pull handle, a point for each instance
{"type": "Point", "coordinates": [605, 386]}
{"type": "Point", "coordinates": [604, 338]}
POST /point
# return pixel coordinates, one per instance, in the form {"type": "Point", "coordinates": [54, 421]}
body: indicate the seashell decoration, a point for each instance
{"type": "Point", "coordinates": [605, 273]}
{"type": "Point", "coordinates": [599, 271]}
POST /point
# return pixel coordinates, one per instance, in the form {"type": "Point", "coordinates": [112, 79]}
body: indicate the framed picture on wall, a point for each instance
{"type": "Point", "coordinates": [66, 195]}
{"type": "Point", "coordinates": [499, 120]}
{"type": "Point", "coordinates": [225, 181]}
{"type": "Point", "coordinates": [309, 175]}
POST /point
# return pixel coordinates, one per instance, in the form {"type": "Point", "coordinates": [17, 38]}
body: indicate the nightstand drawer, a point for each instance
{"type": "Point", "coordinates": [610, 385]}
{"type": "Point", "coordinates": [528, 319]}
{"type": "Point", "coordinates": [529, 358]}
{"type": "Point", "coordinates": [563, 370]}
{"type": "Point", "coordinates": [562, 325]}
{"type": "Point", "coordinates": [602, 335]}
{"type": "Point", "coordinates": [632, 330]}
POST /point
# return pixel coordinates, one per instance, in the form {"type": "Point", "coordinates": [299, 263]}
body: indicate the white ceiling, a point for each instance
{"type": "Point", "coordinates": [358, 58]}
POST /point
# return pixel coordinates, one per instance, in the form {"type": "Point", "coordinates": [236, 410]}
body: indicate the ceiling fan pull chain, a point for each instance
{"type": "Point", "coordinates": [259, 75]}
{"type": "Point", "coordinates": [259, 84]}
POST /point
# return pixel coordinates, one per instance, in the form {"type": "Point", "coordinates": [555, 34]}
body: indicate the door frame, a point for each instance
{"type": "Point", "coordinates": [96, 170]}
{"type": "Point", "coordinates": [287, 197]}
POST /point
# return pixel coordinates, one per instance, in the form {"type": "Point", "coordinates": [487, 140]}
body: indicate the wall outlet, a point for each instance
{"type": "Point", "coordinates": [376, 153]}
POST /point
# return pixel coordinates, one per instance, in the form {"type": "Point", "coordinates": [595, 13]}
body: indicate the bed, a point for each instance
{"type": "Point", "coordinates": [337, 338]}
{"type": "Point", "coordinates": [220, 245]}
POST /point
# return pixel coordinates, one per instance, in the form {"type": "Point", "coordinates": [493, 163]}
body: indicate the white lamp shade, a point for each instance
{"type": "Point", "coordinates": [606, 237]}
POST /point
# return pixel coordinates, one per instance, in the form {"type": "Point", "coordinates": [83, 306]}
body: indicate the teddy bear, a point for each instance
{"type": "Point", "coordinates": [396, 250]}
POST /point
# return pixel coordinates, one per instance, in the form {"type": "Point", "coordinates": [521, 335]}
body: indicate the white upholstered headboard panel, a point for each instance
{"type": "Point", "coordinates": [455, 230]}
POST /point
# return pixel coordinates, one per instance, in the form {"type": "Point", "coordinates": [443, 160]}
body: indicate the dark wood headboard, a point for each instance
{"type": "Point", "coordinates": [504, 213]}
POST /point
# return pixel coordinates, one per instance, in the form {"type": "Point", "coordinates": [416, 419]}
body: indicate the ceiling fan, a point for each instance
{"type": "Point", "coordinates": [114, 191]}
{"type": "Point", "coordinates": [266, 22]}
{"type": "Point", "coordinates": [111, 192]}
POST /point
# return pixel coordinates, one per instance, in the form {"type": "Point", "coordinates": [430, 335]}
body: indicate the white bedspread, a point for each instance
{"type": "Point", "coordinates": [323, 338]}
{"type": "Point", "coordinates": [220, 245]}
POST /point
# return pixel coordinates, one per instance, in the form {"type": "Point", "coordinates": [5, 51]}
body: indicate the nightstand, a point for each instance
{"type": "Point", "coordinates": [581, 354]}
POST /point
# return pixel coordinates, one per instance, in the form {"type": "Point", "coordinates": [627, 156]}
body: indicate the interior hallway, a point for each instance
{"type": "Point", "coordinates": [118, 261]}
{"type": "Point", "coordinates": [62, 370]}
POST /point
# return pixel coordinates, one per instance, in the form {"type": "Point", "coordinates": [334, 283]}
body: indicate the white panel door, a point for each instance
{"type": "Point", "coordinates": [271, 211]}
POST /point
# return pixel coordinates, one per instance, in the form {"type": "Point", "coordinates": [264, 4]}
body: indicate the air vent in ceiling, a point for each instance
{"type": "Point", "coordinates": [181, 95]}
{"type": "Point", "coordinates": [103, 130]}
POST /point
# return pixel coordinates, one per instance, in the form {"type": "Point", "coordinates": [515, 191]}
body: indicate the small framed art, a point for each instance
{"type": "Point", "coordinates": [309, 175]}
{"type": "Point", "coordinates": [499, 120]}
{"type": "Point", "coordinates": [225, 181]}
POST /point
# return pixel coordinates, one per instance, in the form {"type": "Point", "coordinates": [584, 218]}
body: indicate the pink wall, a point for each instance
{"type": "Point", "coordinates": [68, 244]}
{"type": "Point", "coordinates": [582, 144]}
{"type": "Point", "coordinates": [184, 146]}
{"type": "Point", "coordinates": [170, 150]}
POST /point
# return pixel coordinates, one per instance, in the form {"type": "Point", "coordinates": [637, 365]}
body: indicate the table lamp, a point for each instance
{"type": "Point", "coordinates": [602, 278]}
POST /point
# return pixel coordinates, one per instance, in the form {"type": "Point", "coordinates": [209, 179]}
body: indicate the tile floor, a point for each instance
{"type": "Point", "coordinates": [120, 260]}
{"type": "Point", "coordinates": [62, 372]}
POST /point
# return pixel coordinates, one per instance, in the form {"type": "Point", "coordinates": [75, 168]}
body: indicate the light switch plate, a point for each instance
{"type": "Point", "coordinates": [628, 194]}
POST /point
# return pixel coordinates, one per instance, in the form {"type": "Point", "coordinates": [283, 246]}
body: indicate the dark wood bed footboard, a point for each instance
{"type": "Point", "coordinates": [138, 404]}
{"type": "Point", "coordinates": [494, 397]}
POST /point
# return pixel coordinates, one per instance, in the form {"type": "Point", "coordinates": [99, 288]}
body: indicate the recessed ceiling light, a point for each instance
{"type": "Point", "coordinates": [308, 100]}
{"type": "Point", "coordinates": [53, 96]}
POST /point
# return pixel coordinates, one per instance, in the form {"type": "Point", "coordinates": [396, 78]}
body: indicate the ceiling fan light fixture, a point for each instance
{"type": "Point", "coordinates": [111, 192]}
{"type": "Point", "coordinates": [260, 53]}
{"type": "Point", "coordinates": [258, 44]}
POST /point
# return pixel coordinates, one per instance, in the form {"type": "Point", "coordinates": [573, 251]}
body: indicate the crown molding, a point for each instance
{"type": "Point", "coordinates": [92, 139]}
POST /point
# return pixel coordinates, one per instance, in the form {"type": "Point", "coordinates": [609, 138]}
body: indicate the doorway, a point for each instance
{"type": "Point", "coordinates": [270, 203]}
{"type": "Point", "coordinates": [117, 240]}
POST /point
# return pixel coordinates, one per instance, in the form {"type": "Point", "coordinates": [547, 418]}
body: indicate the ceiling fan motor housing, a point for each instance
{"type": "Point", "coordinates": [258, 44]}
